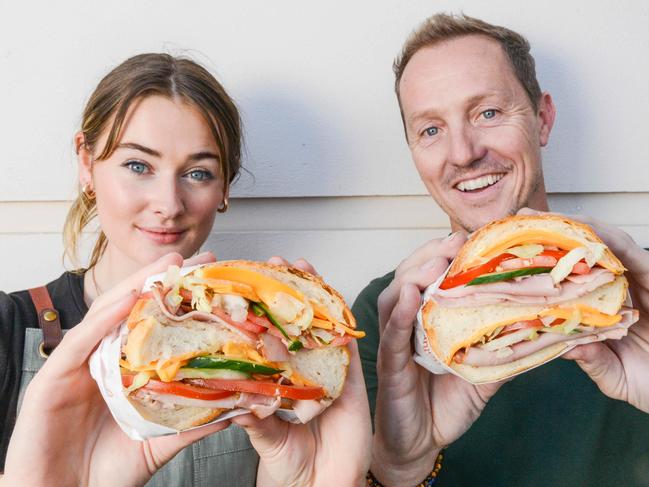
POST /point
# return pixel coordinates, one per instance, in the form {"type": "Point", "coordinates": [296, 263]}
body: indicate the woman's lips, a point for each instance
{"type": "Point", "coordinates": [162, 235]}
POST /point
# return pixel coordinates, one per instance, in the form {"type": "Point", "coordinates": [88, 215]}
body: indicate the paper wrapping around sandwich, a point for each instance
{"type": "Point", "coordinates": [104, 368]}
{"type": "Point", "coordinates": [426, 357]}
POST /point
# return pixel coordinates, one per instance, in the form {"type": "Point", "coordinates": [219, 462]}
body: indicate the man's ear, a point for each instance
{"type": "Point", "coordinates": [547, 114]}
{"type": "Point", "coordinates": [84, 160]}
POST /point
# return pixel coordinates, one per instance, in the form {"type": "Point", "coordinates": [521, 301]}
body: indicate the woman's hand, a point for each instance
{"type": "Point", "coordinates": [65, 434]}
{"type": "Point", "coordinates": [332, 449]}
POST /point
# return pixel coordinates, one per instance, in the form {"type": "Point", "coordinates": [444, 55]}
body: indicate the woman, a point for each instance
{"type": "Point", "coordinates": [158, 149]}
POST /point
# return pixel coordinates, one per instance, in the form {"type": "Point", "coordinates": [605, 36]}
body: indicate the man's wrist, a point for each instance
{"type": "Point", "coordinates": [390, 472]}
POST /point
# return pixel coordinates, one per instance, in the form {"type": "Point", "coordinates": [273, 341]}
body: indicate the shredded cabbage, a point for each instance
{"type": "Point", "coordinates": [200, 300]}
{"type": "Point", "coordinates": [323, 335]}
{"type": "Point", "coordinates": [526, 251]}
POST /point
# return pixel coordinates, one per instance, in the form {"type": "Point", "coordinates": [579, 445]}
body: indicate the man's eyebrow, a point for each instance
{"type": "Point", "coordinates": [422, 114]}
{"type": "Point", "coordinates": [432, 113]}
{"type": "Point", "coordinates": [138, 147]}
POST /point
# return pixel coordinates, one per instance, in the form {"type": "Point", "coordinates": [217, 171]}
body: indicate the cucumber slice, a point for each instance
{"type": "Point", "coordinates": [210, 362]}
{"type": "Point", "coordinates": [190, 373]}
{"type": "Point", "coordinates": [505, 276]}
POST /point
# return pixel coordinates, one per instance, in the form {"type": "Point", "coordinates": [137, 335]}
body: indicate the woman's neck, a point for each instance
{"type": "Point", "coordinates": [113, 267]}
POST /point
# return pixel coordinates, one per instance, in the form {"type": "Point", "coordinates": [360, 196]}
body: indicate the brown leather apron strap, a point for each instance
{"type": "Point", "coordinates": [48, 319]}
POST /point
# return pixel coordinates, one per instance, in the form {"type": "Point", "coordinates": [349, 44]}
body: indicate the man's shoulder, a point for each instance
{"type": "Point", "coordinates": [370, 293]}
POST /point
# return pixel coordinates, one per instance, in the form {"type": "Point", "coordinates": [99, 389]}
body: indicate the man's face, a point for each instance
{"type": "Point", "coordinates": [473, 133]}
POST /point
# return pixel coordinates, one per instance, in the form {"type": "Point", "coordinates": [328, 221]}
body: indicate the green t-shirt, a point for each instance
{"type": "Point", "coordinates": [548, 427]}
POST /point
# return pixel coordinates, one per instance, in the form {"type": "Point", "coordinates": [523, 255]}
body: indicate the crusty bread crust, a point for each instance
{"type": "Point", "coordinates": [481, 242]}
{"type": "Point", "coordinates": [176, 417]}
{"type": "Point", "coordinates": [309, 284]}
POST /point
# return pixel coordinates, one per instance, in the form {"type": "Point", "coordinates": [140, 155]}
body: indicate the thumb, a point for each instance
{"type": "Point", "coordinates": [268, 436]}
{"type": "Point", "coordinates": [395, 350]}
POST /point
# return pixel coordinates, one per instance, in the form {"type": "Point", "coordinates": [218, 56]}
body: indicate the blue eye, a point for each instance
{"type": "Point", "coordinates": [489, 113]}
{"type": "Point", "coordinates": [200, 175]}
{"type": "Point", "coordinates": [136, 166]}
{"type": "Point", "coordinates": [430, 131]}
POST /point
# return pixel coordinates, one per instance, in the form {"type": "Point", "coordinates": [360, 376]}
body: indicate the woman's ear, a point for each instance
{"type": "Point", "coordinates": [84, 160]}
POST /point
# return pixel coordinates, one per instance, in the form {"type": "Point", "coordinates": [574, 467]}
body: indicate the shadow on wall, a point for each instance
{"type": "Point", "coordinates": [564, 153]}
{"type": "Point", "coordinates": [295, 144]}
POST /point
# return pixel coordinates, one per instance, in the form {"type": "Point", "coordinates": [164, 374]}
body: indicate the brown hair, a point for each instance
{"type": "Point", "coordinates": [137, 77]}
{"type": "Point", "coordinates": [442, 27]}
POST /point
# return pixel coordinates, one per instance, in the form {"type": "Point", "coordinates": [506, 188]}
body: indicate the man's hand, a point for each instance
{"type": "Point", "coordinates": [620, 368]}
{"type": "Point", "coordinates": [417, 413]}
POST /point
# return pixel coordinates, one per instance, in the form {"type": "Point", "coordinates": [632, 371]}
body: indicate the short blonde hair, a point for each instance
{"type": "Point", "coordinates": [442, 27]}
{"type": "Point", "coordinates": [138, 77]}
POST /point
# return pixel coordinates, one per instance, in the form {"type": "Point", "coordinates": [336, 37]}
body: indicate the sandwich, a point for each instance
{"type": "Point", "coordinates": [235, 335]}
{"type": "Point", "coordinates": [522, 291]}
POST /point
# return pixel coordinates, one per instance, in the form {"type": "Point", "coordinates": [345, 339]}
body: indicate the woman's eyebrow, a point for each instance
{"type": "Point", "coordinates": [203, 155]}
{"type": "Point", "coordinates": [138, 147]}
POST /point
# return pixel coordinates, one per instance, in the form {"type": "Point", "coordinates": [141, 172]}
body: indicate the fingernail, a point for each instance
{"type": "Point", "coordinates": [451, 236]}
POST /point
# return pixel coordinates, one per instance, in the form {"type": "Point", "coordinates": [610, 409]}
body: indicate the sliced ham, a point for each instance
{"type": "Point", "coordinates": [306, 410]}
{"type": "Point", "coordinates": [246, 337]}
{"type": "Point", "coordinates": [477, 356]}
{"type": "Point", "coordinates": [539, 289]}
{"type": "Point", "coordinates": [274, 348]}
{"type": "Point", "coordinates": [260, 405]}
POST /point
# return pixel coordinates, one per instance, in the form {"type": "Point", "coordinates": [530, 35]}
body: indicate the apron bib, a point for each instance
{"type": "Point", "coordinates": [224, 458]}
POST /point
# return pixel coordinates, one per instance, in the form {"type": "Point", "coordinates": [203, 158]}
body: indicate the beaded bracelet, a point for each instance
{"type": "Point", "coordinates": [429, 481]}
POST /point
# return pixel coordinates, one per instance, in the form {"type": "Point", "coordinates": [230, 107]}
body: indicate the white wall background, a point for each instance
{"type": "Point", "coordinates": [333, 178]}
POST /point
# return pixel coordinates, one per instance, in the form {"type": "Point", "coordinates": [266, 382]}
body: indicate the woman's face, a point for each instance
{"type": "Point", "coordinates": [160, 189]}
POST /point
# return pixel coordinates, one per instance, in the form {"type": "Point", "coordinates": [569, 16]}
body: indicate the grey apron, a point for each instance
{"type": "Point", "coordinates": [222, 459]}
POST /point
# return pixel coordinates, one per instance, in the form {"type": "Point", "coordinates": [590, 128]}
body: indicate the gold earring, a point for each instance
{"type": "Point", "coordinates": [224, 206]}
{"type": "Point", "coordinates": [88, 192]}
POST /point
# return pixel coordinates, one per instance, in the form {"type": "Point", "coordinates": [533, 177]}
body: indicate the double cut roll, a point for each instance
{"type": "Point", "coordinates": [524, 290]}
{"type": "Point", "coordinates": [236, 334]}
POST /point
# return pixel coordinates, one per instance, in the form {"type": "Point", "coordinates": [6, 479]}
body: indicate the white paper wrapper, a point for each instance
{"type": "Point", "coordinates": [104, 368]}
{"type": "Point", "coordinates": [425, 356]}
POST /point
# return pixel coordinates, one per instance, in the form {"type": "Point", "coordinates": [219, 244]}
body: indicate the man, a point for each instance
{"type": "Point", "coordinates": [475, 121]}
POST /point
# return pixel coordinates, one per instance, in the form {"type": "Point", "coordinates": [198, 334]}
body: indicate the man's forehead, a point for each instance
{"type": "Point", "coordinates": [462, 69]}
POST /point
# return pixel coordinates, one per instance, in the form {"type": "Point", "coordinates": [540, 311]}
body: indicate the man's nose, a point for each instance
{"type": "Point", "coordinates": [167, 198]}
{"type": "Point", "coordinates": [464, 146]}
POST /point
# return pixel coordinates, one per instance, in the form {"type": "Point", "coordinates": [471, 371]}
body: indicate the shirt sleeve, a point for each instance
{"type": "Point", "coordinates": [11, 352]}
{"type": "Point", "coordinates": [365, 311]}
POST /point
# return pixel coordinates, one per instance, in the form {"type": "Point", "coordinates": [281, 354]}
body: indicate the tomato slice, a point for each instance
{"type": "Point", "coordinates": [266, 388]}
{"type": "Point", "coordinates": [469, 275]}
{"type": "Point", "coordinates": [488, 267]}
{"type": "Point", "coordinates": [178, 388]}
{"type": "Point", "coordinates": [581, 268]}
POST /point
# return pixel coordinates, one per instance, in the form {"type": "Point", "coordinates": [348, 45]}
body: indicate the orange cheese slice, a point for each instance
{"type": "Point", "coordinates": [589, 316]}
{"type": "Point", "coordinates": [265, 287]}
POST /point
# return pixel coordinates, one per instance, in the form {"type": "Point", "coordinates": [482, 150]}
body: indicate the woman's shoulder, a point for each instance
{"type": "Point", "coordinates": [66, 293]}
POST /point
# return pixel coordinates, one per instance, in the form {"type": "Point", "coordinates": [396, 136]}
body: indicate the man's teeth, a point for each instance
{"type": "Point", "coordinates": [479, 183]}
